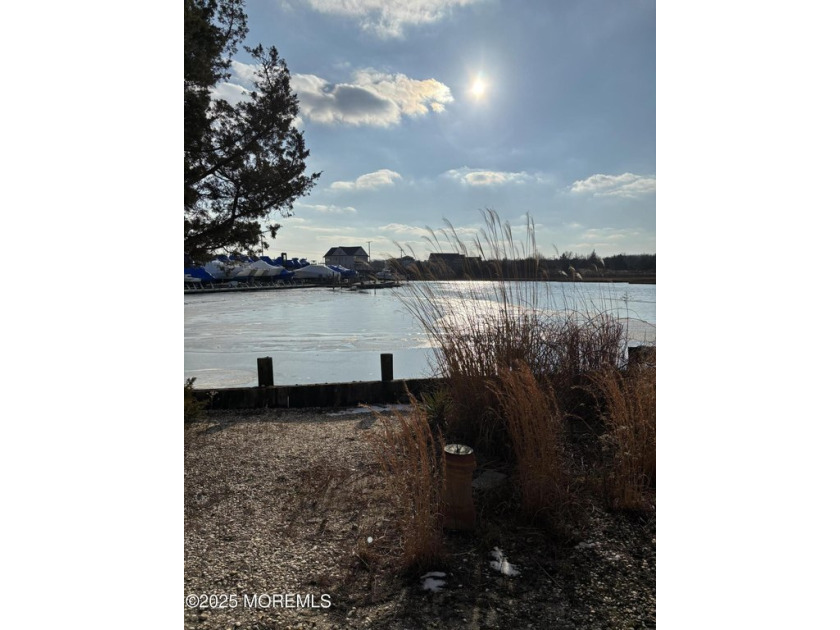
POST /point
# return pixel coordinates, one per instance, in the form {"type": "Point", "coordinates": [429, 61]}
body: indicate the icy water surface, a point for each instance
{"type": "Point", "coordinates": [327, 336]}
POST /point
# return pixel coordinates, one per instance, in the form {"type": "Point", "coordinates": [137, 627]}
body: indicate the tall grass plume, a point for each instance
{"type": "Point", "coordinates": [410, 455]}
{"type": "Point", "coordinates": [629, 410]}
{"type": "Point", "coordinates": [532, 419]}
{"type": "Point", "coordinates": [482, 329]}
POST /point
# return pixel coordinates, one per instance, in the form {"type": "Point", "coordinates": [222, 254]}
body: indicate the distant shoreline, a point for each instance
{"type": "Point", "coordinates": [629, 279]}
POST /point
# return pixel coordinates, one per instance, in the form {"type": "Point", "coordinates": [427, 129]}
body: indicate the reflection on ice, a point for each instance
{"type": "Point", "coordinates": [325, 336]}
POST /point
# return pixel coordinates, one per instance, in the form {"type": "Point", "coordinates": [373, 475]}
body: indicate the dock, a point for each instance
{"type": "Point", "coordinates": [382, 284]}
{"type": "Point", "coordinates": [250, 287]}
{"type": "Point", "coordinates": [196, 287]}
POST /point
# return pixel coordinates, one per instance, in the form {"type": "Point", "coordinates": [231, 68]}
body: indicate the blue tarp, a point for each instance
{"type": "Point", "coordinates": [198, 272]}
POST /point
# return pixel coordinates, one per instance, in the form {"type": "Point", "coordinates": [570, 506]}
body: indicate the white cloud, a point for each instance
{"type": "Point", "coordinates": [243, 72]}
{"type": "Point", "coordinates": [627, 185]}
{"type": "Point", "coordinates": [479, 177]}
{"type": "Point", "coordinates": [324, 102]}
{"type": "Point", "coordinates": [328, 209]}
{"type": "Point", "coordinates": [607, 241]}
{"type": "Point", "coordinates": [230, 92]}
{"type": "Point", "coordinates": [401, 228]}
{"type": "Point", "coordinates": [386, 18]}
{"type": "Point", "coordinates": [373, 98]}
{"type": "Point", "coordinates": [369, 181]}
{"type": "Point", "coordinates": [242, 77]}
{"type": "Point", "coordinates": [414, 97]}
{"type": "Point", "coordinates": [610, 234]}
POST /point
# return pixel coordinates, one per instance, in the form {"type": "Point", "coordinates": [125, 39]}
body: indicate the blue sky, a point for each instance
{"type": "Point", "coordinates": [395, 116]}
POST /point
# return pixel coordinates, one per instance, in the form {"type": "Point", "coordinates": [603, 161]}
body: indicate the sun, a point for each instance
{"type": "Point", "coordinates": [478, 88]}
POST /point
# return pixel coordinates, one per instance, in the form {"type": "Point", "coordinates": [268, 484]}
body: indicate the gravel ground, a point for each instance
{"type": "Point", "coordinates": [288, 505]}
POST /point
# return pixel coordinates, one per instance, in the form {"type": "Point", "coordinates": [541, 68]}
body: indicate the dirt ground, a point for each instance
{"type": "Point", "coordinates": [287, 525]}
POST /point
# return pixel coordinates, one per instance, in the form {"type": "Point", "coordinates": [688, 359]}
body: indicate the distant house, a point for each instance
{"type": "Point", "coordinates": [346, 256]}
{"type": "Point", "coordinates": [453, 264]}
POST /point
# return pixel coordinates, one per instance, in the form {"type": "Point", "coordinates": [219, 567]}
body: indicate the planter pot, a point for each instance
{"type": "Point", "coordinates": [459, 511]}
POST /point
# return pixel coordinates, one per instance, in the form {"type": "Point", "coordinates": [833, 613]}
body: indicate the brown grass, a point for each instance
{"type": "Point", "coordinates": [483, 329]}
{"type": "Point", "coordinates": [410, 455]}
{"type": "Point", "coordinates": [517, 365]}
{"type": "Point", "coordinates": [194, 410]}
{"type": "Point", "coordinates": [629, 406]}
{"type": "Point", "coordinates": [533, 426]}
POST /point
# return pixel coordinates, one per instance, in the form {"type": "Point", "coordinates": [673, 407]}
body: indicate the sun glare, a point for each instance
{"type": "Point", "coordinates": [478, 89]}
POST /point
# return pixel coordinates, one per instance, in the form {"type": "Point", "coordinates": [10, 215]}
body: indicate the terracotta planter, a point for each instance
{"type": "Point", "coordinates": [459, 511]}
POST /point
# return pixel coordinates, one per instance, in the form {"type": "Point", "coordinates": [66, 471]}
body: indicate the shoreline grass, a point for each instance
{"type": "Point", "coordinates": [410, 453]}
{"type": "Point", "coordinates": [517, 367]}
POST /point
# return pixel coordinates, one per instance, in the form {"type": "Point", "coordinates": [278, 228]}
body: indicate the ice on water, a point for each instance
{"type": "Point", "coordinates": [325, 336]}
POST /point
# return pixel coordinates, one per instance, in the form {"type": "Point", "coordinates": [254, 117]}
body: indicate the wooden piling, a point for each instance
{"type": "Point", "coordinates": [386, 362]}
{"type": "Point", "coordinates": [265, 372]}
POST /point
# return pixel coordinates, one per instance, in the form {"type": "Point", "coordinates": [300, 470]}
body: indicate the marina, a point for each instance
{"type": "Point", "coordinates": [244, 274]}
{"type": "Point", "coordinates": [281, 286]}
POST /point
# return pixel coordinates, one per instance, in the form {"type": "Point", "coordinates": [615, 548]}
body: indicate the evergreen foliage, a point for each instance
{"type": "Point", "coordinates": [243, 162]}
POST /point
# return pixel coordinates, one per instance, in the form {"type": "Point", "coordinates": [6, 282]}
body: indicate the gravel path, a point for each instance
{"type": "Point", "coordinates": [286, 525]}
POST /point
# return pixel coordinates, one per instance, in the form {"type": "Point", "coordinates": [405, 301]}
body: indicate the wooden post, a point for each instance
{"type": "Point", "coordinates": [265, 372]}
{"type": "Point", "coordinates": [386, 362]}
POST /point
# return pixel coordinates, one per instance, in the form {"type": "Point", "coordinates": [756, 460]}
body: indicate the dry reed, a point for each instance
{"type": "Point", "coordinates": [533, 421]}
{"type": "Point", "coordinates": [629, 405]}
{"type": "Point", "coordinates": [410, 455]}
{"type": "Point", "coordinates": [516, 364]}
{"type": "Point", "coordinates": [482, 329]}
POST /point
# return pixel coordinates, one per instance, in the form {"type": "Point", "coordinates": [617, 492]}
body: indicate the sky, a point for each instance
{"type": "Point", "coordinates": [419, 113]}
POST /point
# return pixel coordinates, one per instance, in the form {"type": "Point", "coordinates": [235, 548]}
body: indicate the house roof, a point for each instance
{"type": "Point", "coordinates": [343, 250]}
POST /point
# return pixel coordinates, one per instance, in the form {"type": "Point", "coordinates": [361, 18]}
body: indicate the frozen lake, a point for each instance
{"type": "Point", "coordinates": [325, 336]}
